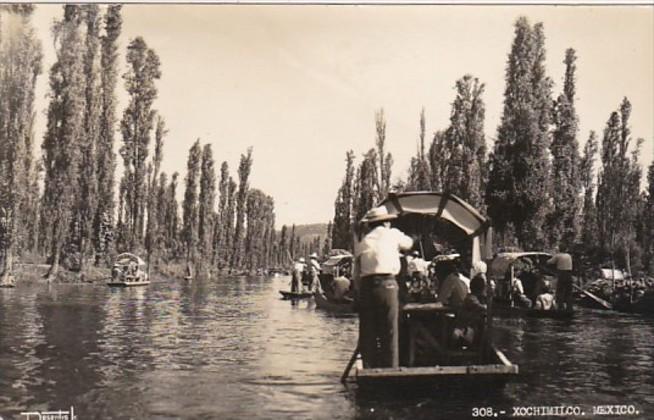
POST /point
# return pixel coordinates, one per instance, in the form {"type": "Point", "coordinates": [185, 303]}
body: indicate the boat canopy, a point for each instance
{"type": "Point", "coordinates": [127, 257]}
{"type": "Point", "coordinates": [502, 261]}
{"type": "Point", "coordinates": [442, 205]}
{"type": "Point", "coordinates": [336, 260]}
{"type": "Point", "coordinates": [447, 207]}
{"type": "Point", "coordinates": [609, 274]}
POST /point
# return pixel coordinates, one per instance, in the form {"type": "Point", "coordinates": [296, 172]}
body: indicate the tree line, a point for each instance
{"type": "Point", "coordinates": [68, 205]}
{"type": "Point", "coordinates": [538, 188]}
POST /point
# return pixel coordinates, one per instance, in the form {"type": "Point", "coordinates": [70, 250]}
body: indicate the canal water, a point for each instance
{"type": "Point", "coordinates": [231, 348]}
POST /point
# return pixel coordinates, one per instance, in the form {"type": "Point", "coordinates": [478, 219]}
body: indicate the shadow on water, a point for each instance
{"type": "Point", "coordinates": [232, 348]}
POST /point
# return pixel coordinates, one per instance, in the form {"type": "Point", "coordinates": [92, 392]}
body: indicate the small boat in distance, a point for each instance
{"type": "Point", "coordinates": [286, 295]}
{"type": "Point", "coordinates": [129, 270]}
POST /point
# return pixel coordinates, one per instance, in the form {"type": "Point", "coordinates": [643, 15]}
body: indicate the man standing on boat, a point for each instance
{"type": "Point", "coordinates": [563, 263]}
{"type": "Point", "coordinates": [296, 279]}
{"type": "Point", "coordinates": [314, 270]}
{"type": "Point", "coordinates": [378, 261]}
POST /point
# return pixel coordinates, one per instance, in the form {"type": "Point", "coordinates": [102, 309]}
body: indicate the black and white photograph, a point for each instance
{"type": "Point", "coordinates": [330, 210]}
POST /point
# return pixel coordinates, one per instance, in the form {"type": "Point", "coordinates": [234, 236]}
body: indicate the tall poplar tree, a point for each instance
{"type": "Point", "coordinates": [207, 202]}
{"type": "Point", "coordinates": [106, 157]}
{"type": "Point", "coordinates": [219, 229]}
{"type": "Point", "coordinates": [228, 223]}
{"type": "Point", "coordinates": [618, 189]}
{"type": "Point", "coordinates": [190, 204]}
{"type": "Point", "coordinates": [518, 188]}
{"type": "Point", "coordinates": [86, 206]}
{"type": "Point", "coordinates": [244, 168]}
{"type": "Point", "coordinates": [385, 160]}
{"type": "Point", "coordinates": [563, 222]}
{"type": "Point", "coordinates": [466, 143]}
{"type": "Point", "coordinates": [136, 126]}
{"type": "Point", "coordinates": [20, 65]}
{"type": "Point", "coordinates": [341, 233]}
{"type": "Point", "coordinates": [65, 128]}
{"type": "Point", "coordinates": [589, 233]}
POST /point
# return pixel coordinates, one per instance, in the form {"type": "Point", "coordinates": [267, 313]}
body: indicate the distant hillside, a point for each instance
{"type": "Point", "coordinates": [309, 232]}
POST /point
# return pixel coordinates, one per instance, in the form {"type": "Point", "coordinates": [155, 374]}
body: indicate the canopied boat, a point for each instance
{"type": "Point", "coordinates": [525, 267]}
{"type": "Point", "coordinates": [429, 353]}
{"type": "Point", "coordinates": [129, 270]}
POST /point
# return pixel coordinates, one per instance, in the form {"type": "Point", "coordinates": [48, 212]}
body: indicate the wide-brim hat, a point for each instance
{"type": "Point", "coordinates": [446, 257]}
{"type": "Point", "coordinates": [378, 214]}
{"type": "Point", "coordinates": [314, 256]}
{"type": "Point", "coordinates": [301, 259]}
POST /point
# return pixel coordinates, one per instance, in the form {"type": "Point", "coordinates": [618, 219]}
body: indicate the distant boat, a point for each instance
{"type": "Point", "coordinates": [129, 270]}
{"type": "Point", "coordinates": [286, 295]}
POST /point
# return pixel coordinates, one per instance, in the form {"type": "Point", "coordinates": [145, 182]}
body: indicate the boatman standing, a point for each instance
{"type": "Point", "coordinates": [296, 279]}
{"type": "Point", "coordinates": [314, 270]}
{"type": "Point", "coordinates": [563, 263]}
{"type": "Point", "coordinates": [378, 263]}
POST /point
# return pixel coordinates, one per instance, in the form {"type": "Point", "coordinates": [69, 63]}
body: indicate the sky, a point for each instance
{"type": "Point", "coordinates": [301, 84]}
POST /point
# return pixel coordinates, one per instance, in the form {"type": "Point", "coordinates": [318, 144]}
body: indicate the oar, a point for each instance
{"type": "Point", "coordinates": [348, 368]}
{"type": "Point", "coordinates": [599, 300]}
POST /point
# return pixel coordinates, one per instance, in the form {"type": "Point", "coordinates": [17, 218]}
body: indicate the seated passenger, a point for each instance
{"type": "Point", "coordinates": [518, 297]}
{"type": "Point", "coordinates": [454, 289]}
{"type": "Point", "coordinates": [545, 301]}
{"type": "Point", "coordinates": [472, 314]}
{"type": "Point", "coordinates": [340, 288]}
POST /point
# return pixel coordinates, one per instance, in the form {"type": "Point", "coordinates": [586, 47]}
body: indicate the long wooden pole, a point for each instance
{"type": "Point", "coordinates": [350, 363]}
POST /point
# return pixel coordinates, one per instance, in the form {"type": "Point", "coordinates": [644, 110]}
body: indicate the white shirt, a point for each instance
{"type": "Point", "coordinates": [379, 251]}
{"type": "Point", "coordinates": [417, 264]}
{"type": "Point", "coordinates": [298, 266]}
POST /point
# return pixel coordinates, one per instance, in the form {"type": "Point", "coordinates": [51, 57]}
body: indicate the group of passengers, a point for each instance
{"type": "Point", "coordinates": [304, 276]}
{"type": "Point", "coordinates": [541, 293]}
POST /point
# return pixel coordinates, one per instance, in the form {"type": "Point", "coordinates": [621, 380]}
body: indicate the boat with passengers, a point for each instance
{"type": "Point", "coordinates": [129, 270]}
{"type": "Point", "coordinates": [520, 277]}
{"type": "Point", "coordinates": [430, 355]}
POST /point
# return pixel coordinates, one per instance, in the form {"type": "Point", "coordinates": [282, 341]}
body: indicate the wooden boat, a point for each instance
{"type": "Point", "coordinates": [439, 346]}
{"type": "Point", "coordinates": [286, 295]}
{"type": "Point", "coordinates": [129, 270]}
{"type": "Point", "coordinates": [127, 283]}
{"type": "Point", "coordinates": [642, 305]}
{"type": "Point", "coordinates": [322, 302]}
{"type": "Point", "coordinates": [514, 311]}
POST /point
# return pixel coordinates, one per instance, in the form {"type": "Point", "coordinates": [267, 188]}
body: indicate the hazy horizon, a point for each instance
{"type": "Point", "coordinates": [301, 84]}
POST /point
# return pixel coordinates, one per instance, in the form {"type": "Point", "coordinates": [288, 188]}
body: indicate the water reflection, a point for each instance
{"type": "Point", "coordinates": [231, 348]}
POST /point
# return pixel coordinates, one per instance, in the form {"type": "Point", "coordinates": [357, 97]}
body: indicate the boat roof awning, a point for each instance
{"type": "Point", "coordinates": [337, 259]}
{"type": "Point", "coordinates": [442, 205]}
{"type": "Point", "coordinates": [609, 274]}
{"type": "Point", "coordinates": [503, 261]}
{"type": "Point", "coordinates": [125, 257]}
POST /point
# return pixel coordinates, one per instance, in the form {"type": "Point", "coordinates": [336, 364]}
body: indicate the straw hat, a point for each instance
{"type": "Point", "coordinates": [314, 256]}
{"type": "Point", "coordinates": [301, 259]}
{"type": "Point", "coordinates": [378, 214]}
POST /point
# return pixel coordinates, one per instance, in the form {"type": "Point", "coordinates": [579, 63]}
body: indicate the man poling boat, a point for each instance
{"type": "Point", "coordinates": [429, 350]}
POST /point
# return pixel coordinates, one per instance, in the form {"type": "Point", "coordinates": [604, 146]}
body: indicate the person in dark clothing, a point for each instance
{"type": "Point", "coordinates": [471, 317]}
{"type": "Point", "coordinates": [378, 262]}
